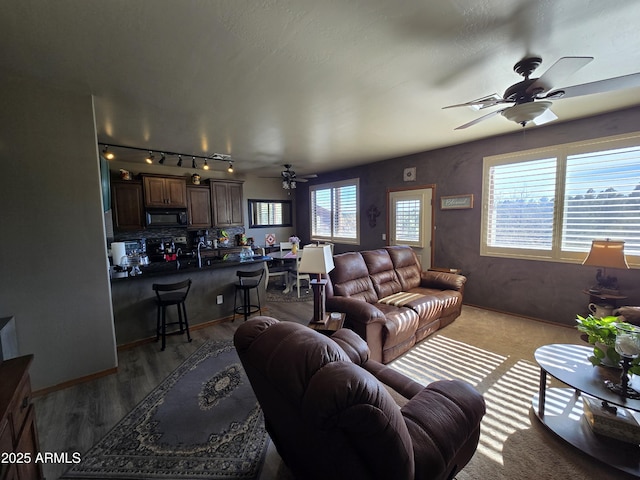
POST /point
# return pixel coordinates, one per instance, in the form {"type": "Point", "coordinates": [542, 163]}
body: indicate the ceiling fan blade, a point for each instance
{"type": "Point", "coordinates": [557, 73]}
{"type": "Point", "coordinates": [480, 119]}
{"type": "Point", "coordinates": [601, 86]}
{"type": "Point", "coordinates": [546, 117]}
{"type": "Point", "coordinates": [484, 102]}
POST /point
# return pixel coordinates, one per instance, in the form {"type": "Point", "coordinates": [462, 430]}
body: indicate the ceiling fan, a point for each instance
{"type": "Point", "coordinates": [289, 178]}
{"type": "Point", "coordinates": [531, 97]}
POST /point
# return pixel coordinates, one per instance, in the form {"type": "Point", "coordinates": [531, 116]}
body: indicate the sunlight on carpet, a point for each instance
{"type": "Point", "coordinates": [507, 389]}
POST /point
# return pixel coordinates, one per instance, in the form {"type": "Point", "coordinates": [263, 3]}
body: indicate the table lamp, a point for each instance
{"type": "Point", "coordinates": [606, 254]}
{"type": "Point", "coordinates": [317, 259]}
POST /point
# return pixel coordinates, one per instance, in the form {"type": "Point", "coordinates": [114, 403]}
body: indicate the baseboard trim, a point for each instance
{"type": "Point", "coordinates": [75, 381]}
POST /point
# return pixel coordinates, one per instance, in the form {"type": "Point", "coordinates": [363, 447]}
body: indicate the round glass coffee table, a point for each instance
{"type": "Point", "coordinates": [560, 409]}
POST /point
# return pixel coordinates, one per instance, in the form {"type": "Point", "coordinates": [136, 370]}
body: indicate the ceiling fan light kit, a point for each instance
{"type": "Point", "coordinates": [525, 112]}
{"type": "Point", "coordinates": [530, 96]}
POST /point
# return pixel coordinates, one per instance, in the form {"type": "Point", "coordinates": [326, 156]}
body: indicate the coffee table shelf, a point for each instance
{"type": "Point", "coordinates": [560, 409]}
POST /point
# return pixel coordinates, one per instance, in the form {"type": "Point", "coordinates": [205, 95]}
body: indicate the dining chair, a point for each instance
{"type": "Point", "coordinates": [286, 246]}
{"type": "Point", "coordinates": [300, 276]}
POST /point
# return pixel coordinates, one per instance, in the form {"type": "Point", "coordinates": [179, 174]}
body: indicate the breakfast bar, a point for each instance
{"type": "Point", "coordinates": [133, 299]}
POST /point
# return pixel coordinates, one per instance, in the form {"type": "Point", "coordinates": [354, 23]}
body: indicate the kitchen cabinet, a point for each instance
{"type": "Point", "coordinates": [199, 206]}
{"type": "Point", "coordinates": [18, 434]}
{"type": "Point", "coordinates": [127, 206]}
{"type": "Point", "coordinates": [164, 191]}
{"type": "Point", "coordinates": [226, 199]}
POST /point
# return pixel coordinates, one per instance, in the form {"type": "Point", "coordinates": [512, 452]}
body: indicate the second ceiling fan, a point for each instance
{"type": "Point", "coordinates": [530, 100]}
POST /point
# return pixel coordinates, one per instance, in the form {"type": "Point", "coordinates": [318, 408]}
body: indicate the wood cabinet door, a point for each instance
{"type": "Point", "coordinates": [219, 198]}
{"type": "Point", "coordinates": [176, 192]}
{"type": "Point", "coordinates": [199, 205]}
{"type": "Point", "coordinates": [28, 443]}
{"type": "Point", "coordinates": [128, 211]}
{"type": "Point", "coordinates": [235, 204]}
{"type": "Point", "coordinates": [154, 192]}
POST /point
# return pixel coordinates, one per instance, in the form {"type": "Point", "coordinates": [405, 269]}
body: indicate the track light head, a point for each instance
{"type": "Point", "coordinates": [193, 162]}
{"type": "Point", "coordinates": [205, 166]}
{"type": "Point", "coordinates": [107, 154]}
{"type": "Point", "coordinates": [161, 161]}
{"type": "Point", "coordinates": [230, 169]}
{"type": "Point", "coordinates": [149, 159]}
{"type": "Point", "coordinates": [179, 160]}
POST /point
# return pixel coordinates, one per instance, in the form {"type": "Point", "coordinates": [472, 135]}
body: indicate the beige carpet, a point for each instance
{"type": "Point", "coordinates": [494, 352]}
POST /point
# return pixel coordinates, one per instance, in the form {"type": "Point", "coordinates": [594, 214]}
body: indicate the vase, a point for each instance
{"type": "Point", "coordinates": [294, 248]}
{"type": "Point", "coordinates": [606, 361]}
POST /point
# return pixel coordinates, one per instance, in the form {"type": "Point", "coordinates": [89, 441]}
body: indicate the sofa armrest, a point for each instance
{"type": "Point", "coordinates": [444, 424]}
{"type": "Point", "coordinates": [357, 311]}
{"type": "Point", "coordinates": [442, 280]}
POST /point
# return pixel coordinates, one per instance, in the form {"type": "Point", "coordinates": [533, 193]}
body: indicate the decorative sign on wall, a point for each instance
{"type": "Point", "coordinates": [270, 239]}
{"type": "Point", "coordinates": [456, 202]}
{"type": "Point", "coordinates": [409, 174]}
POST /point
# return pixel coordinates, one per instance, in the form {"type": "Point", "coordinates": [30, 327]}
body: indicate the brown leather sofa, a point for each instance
{"type": "Point", "coordinates": [329, 411]}
{"type": "Point", "coordinates": [389, 301]}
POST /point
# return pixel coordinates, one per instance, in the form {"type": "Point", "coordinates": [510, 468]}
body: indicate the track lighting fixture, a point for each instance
{"type": "Point", "coordinates": [107, 154]}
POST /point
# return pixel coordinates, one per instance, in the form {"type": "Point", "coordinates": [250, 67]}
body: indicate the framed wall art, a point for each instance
{"type": "Point", "coordinates": [456, 202]}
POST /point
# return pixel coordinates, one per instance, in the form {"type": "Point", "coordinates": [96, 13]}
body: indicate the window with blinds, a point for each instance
{"type": "Point", "coordinates": [550, 204]}
{"type": "Point", "coordinates": [408, 219]}
{"type": "Point", "coordinates": [334, 212]}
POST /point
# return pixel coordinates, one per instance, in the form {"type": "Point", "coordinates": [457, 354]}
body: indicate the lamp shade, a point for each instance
{"type": "Point", "coordinates": [606, 253]}
{"type": "Point", "coordinates": [316, 259]}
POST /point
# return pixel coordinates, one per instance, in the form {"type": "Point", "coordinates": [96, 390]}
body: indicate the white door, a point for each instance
{"type": "Point", "coordinates": [410, 221]}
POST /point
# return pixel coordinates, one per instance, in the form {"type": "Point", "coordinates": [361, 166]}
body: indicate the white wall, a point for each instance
{"type": "Point", "coordinates": [53, 260]}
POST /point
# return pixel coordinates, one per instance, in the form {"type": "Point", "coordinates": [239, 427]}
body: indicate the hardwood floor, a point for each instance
{"type": "Point", "coordinates": [74, 419]}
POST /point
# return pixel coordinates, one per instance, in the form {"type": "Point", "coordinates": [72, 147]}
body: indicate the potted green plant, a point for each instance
{"type": "Point", "coordinates": [601, 333]}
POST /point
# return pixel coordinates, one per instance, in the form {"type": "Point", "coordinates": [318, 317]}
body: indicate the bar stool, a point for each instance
{"type": "Point", "coordinates": [247, 282]}
{"type": "Point", "coordinates": [177, 294]}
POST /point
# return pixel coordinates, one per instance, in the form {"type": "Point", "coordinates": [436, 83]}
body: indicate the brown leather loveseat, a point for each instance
{"type": "Point", "coordinates": [330, 415]}
{"type": "Point", "coordinates": [389, 301]}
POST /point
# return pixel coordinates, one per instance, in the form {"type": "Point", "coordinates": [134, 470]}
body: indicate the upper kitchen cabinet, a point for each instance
{"type": "Point", "coordinates": [226, 199]}
{"type": "Point", "coordinates": [126, 201]}
{"type": "Point", "coordinates": [165, 191]}
{"type": "Point", "coordinates": [199, 206]}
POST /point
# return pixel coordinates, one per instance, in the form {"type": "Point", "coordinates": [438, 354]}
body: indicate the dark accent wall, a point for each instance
{"type": "Point", "coordinates": [546, 290]}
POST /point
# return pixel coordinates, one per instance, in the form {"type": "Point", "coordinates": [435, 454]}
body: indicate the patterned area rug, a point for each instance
{"type": "Point", "coordinates": [275, 293]}
{"type": "Point", "coordinates": [201, 422]}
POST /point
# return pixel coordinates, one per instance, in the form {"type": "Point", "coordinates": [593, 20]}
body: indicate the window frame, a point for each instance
{"type": "Point", "coordinates": [560, 153]}
{"type": "Point", "coordinates": [332, 237]}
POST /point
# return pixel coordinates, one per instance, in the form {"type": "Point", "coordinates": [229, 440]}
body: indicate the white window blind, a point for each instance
{"type": "Point", "coordinates": [550, 204]}
{"type": "Point", "coordinates": [408, 219]}
{"type": "Point", "coordinates": [602, 199]}
{"type": "Point", "coordinates": [521, 202]}
{"type": "Point", "coordinates": [334, 212]}
{"type": "Point", "coordinates": [268, 213]}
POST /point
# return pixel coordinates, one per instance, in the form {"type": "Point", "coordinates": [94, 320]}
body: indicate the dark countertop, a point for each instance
{"type": "Point", "coordinates": [190, 264]}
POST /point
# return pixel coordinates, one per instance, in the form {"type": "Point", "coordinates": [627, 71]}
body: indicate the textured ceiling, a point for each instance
{"type": "Point", "coordinates": [320, 84]}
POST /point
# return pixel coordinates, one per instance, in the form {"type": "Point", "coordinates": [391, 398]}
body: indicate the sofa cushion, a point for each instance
{"type": "Point", "coordinates": [449, 301]}
{"type": "Point", "coordinates": [384, 277]}
{"type": "Point", "coordinates": [350, 278]}
{"type": "Point", "coordinates": [407, 266]}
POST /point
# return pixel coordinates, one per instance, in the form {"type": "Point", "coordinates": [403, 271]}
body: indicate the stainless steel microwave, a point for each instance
{"type": "Point", "coordinates": [167, 218]}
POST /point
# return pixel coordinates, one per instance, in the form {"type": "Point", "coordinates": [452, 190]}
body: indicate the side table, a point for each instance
{"type": "Point", "coordinates": [331, 325]}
